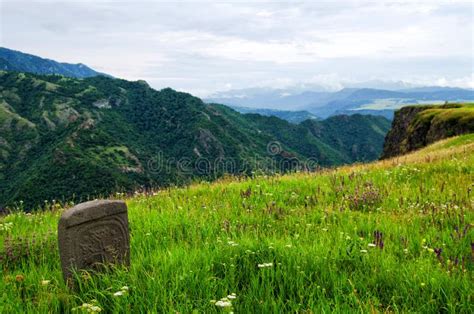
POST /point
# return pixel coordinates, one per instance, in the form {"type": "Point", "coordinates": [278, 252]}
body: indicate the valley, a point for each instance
{"type": "Point", "coordinates": [72, 139]}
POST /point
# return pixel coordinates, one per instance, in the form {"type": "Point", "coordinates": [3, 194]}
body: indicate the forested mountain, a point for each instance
{"type": "Point", "coordinates": [290, 116]}
{"type": "Point", "coordinates": [12, 60]}
{"type": "Point", "coordinates": [65, 138]}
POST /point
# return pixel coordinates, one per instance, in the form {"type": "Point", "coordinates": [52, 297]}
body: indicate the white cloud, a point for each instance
{"type": "Point", "coordinates": [202, 46]}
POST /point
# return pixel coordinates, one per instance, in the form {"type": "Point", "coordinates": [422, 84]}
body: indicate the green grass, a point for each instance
{"type": "Point", "coordinates": [192, 246]}
{"type": "Point", "coordinates": [462, 114]}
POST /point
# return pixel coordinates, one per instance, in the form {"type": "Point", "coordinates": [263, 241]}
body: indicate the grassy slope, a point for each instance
{"type": "Point", "coordinates": [459, 115]}
{"type": "Point", "coordinates": [191, 246]}
{"type": "Point", "coordinates": [449, 111]}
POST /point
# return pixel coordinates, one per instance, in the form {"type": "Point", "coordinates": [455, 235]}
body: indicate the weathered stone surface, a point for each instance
{"type": "Point", "coordinates": [93, 234]}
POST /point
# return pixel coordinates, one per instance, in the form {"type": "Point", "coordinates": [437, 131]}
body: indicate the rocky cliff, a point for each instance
{"type": "Point", "coordinates": [414, 127]}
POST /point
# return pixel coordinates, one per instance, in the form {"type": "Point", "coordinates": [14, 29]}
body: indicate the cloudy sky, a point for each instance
{"type": "Point", "coordinates": [203, 46]}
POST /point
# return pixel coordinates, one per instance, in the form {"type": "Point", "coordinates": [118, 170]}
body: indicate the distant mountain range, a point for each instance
{"type": "Point", "coordinates": [346, 101]}
{"type": "Point", "coordinates": [11, 60]}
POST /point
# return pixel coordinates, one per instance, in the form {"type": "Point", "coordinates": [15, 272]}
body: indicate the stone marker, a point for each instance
{"type": "Point", "coordinates": [92, 234]}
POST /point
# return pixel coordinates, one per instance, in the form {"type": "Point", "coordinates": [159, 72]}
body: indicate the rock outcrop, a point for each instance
{"type": "Point", "coordinates": [417, 126]}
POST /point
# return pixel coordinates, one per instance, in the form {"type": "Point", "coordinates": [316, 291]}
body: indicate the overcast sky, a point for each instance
{"type": "Point", "coordinates": [202, 47]}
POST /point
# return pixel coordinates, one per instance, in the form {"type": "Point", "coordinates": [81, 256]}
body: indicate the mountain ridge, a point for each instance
{"type": "Point", "coordinates": [13, 60]}
{"type": "Point", "coordinates": [345, 101]}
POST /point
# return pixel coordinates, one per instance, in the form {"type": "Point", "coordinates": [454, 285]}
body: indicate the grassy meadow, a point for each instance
{"type": "Point", "coordinates": [390, 236]}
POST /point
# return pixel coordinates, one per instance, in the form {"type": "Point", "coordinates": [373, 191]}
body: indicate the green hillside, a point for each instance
{"type": "Point", "coordinates": [391, 236]}
{"type": "Point", "coordinates": [351, 135]}
{"type": "Point", "coordinates": [73, 139]}
{"type": "Point", "coordinates": [415, 127]}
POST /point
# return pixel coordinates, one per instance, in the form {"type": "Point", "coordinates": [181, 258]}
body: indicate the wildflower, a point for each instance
{"type": "Point", "coordinates": [423, 284]}
{"type": "Point", "coordinates": [378, 239]}
{"type": "Point", "coordinates": [148, 234]}
{"type": "Point", "coordinates": [6, 226]}
{"type": "Point", "coordinates": [438, 252]}
{"type": "Point", "coordinates": [232, 243]}
{"type": "Point", "coordinates": [232, 296]}
{"type": "Point", "coordinates": [363, 251]}
{"type": "Point", "coordinates": [223, 303]}
{"type": "Point", "coordinates": [405, 251]}
{"type": "Point", "coordinates": [45, 282]}
{"type": "Point", "coordinates": [19, 278]}
{"type": "Point", "coordinates": [122, 291]}
{"type": "Point", "coordinates": [264, 265]}
{"type": "Point", "coordinates": [371, 245]}
{"type": "Point", "coordinates": [89, 308]}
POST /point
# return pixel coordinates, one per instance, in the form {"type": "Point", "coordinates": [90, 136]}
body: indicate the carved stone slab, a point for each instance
{"type": "Point", "coordinates": [93, 234]}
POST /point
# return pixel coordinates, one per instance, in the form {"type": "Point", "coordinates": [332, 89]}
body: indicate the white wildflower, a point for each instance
{"type": "Point", "coordinates": [122, 291]}
{"type": "Point", "coordinates": [6, 226]}
{"type": "Point", "coordinates": [89, 308]}
{"type": "Point", "coordinates": [372, 245]}
{"type": "Point", "coordinates": [222, 303]}
{"type": "Point", "coordinates": [45, 282]}
{"type": "Point", "coordinates": [264, 265]}
{"type": "Point", "coordinates": [95, 309]}
{"type": "Point", "coordinates": [363, 251]}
